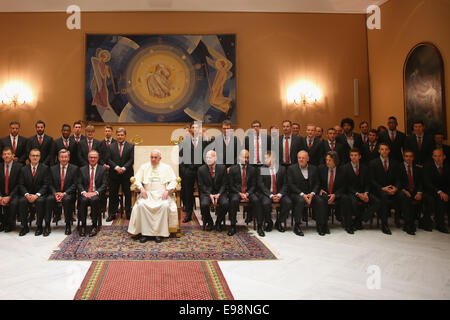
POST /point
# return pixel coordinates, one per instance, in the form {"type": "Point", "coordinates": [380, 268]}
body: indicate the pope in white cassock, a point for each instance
{"type": "Point", "coordinates": [150, 214]}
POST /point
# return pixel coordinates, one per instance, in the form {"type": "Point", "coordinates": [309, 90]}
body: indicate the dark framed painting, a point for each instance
{"type": "Point", "coordinates": [160, 78]}
{"type": "Point", "coordinates": [424, 89]}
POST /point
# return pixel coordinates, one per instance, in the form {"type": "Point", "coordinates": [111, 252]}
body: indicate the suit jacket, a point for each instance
{"type": "Point", "coordinates": [424, 155]}
{"type": "Point", "coordinates": [100, 179]}
{"type": "Point", "coordinates": [417, 174]}
{"type": "Point", "coordinates": [264, 182]}
{"type": "Point", "coordinates": [126, 160]}
{"type": "Point", "coordinates": [38, 184]}
{"type": "Point", "coordinates": [21, 147]}
{"type": "Point", "coordinates": [83, 151]}
{"type": "Point", "coordinates": [235, 179]}
{"type": "Point", "coordinates": [297, 182]}
{"type": "Point", "coordinates": [207, 185]}
{"type": "Point", "coordinates": [266, 145]}
{"type": "Point", "coordinates": [71, 177]}
{"type": "Point", "coordinates": [47, 148]}
{"type": "Point", "coordinates": [316, 151]}
{"type": "Point", "coordinates": [338, 147]}
{"type": "Point", "coordinates": [367, 155]}
{"type": "Point", "coordinates": [357, 143]}
{"type": "Point", "coordinates": [446, 150]}
{"type": "Point", "coordinates": [339, 184]}
{"type": "Point", "coordinates": [13, 179]}
{"type": "Point", "coordinates": [381, 178]}
{"type": "Point", "coordinates": [104, 150]}
{"type": "Point", "coordinates": [191, 157]}
{"type": "Point", "coordinates": [227, 155]}
{"type": "Point", "coordinates": [434, 181]}
{"type": "Point", "coordinates": [357, 183]}
{"type": "Point", "coordinates": [74, 160]}
{"type": "Point", "coordinates": [395, 146]}
{"type": "Point", "coordinates": [296, 145]}
{"type": "Point", "coordinates": [59, 144]}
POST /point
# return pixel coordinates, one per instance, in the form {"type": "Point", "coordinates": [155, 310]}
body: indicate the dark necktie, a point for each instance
{"type": "Point", "coordinates": [331, 182]}
{"type": "Point", "coordinates": [410, 180]}
{"type": "Point", "coordinates": [91, 181]}
{"type": "Point", "coordinates": [34, 171]}
{"type": "Point", "coordinates": [14, 145]}
{"type": "Point", "coordinates": [309, 143]}
{"type": "Point", "coordinates": [243, 178]}
{"type": "Point", "coordinates": [66, 143]}
{"type": "Point", "coordinates": [211, 171]}
{"type": "Point", "coordinates": [392, 136]}
{"type": "Point", "coordinates": [40, 140]}
{"type": "Point", "coordinates": [62, 179]}
{"type": "Point", "coordinates": [274, 182]}
{"type": "Point", "coordinates": [371, 147]}
{"type": "Point", "coordinates": [419, 142]}
{"type": "Point", "coordinates": [107, 143]}
{"type": "Point", "coordinates": [7, 179]}
{"type": "Point", "coordinates": [332, 146]}
{"type": "Point", "coordinates": [385, 165]}
{"type": "Point", "coordinates": [357, 170]}
{"type": "Point", "coordinates": [441, 171]}
{"type": "Point", "coordinates": [286, 150]}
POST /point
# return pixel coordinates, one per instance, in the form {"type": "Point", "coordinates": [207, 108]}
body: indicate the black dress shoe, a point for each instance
{"type": "Point", "coordinates": [410, 231]}
{"type": "Point", "coordinates": [385, 229]}
{"type": "Point", "coordinates": [144, 239]}
{"type": "Point", "coordinates": [261, 232]}
{"type": "Point", "coordinates": [358, 226]}
{"type": "Point", "coordinates": [349, 230]}
{"type": "Point", "coordinates": [218, 226]}
{"type": "Point", "coordinates": [110, 218]}
{"type": "Point", "coordinates": [209, 226]}
{"type": "Point", "coordinates": [326, 229]}
{"type": "Point", "coordinates": [269, 226]}
{"type": "Point", "coordinates": [8, 228]}
{"type": "Point", "coordinates": [2, 227]}
{"type": "Point", "coordinates": [82, 232]}
{"type": "Point", "coordinates": [47, 231]}
{"type": "Point", "coordinates": [158, 239]}
{"type": "Point", "coordinates": [442, 229]}
{"type": "Point", "coordinates": [93, 232]}
{"type": "Point", "coordinates": [68, 229]}
{"type": "Point", "coordinates": [298, 231]}
{"type": "Point", "coordinates": [232, 231]}
{"type": "Point", "coordinates": [279, 226]}
{"type": "Point", "coordinates": [187, 218]}
{"type": "Point", "coordinates": [23, 231]}
{"type": "Point", "coordinates": [38, 231]}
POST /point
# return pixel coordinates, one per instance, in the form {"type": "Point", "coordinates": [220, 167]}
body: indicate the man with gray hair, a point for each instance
{"type": "Point", "coordinates": [150, 216]}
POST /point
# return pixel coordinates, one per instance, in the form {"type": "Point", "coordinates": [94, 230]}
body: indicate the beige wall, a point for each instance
{"type": "Point", "coordinates": [273, 52]}
{"type": "Point", "coordinates": [404, 23]}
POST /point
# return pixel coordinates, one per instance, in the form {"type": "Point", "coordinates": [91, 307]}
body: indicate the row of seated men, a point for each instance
{"type": "Point", "coordinates": [419, 145]}
{"type": "Point", "coordinates": [114, 156]}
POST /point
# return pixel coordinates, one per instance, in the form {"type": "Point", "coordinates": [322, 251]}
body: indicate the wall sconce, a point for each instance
{"type": "Point", "coordinates": [304, 93]}
{"type": "Point", "coordinates": [16, 94]}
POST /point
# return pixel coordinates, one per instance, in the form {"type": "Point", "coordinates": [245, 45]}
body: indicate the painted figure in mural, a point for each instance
{"type": "Point", "coordinates": [159, 83]}
{"type": "Point", "coordinates": [223, 66]}
{"type": "Point", "coordinates": [101, 73]}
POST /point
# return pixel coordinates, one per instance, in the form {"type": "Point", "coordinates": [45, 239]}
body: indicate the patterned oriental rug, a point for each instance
{"type": "Point", "coordinates": [156, 280]}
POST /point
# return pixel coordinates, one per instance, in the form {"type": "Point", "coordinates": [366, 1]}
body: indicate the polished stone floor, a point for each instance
{"type": "Point", "coordinates": [366, 265]}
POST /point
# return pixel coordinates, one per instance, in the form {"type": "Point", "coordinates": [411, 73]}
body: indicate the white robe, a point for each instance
{"type": "Point", "coordinates": [150, 216]}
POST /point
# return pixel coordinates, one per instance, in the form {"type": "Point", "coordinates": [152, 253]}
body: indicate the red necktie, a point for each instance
{"type": "Point", "coordinates": [66, 143]}
{"type": "Point", "coordinates": [40, 140]}
{"type": "Point", "coordinates": [211, 171]}
{"type": "Point", "coordinates": [385, 165]}
{"type": "Point", "coordinates": [410, 179]}
{"type": "Point", "coordinates": [90, 145]}
{"type": "Point", "coordinates": [441, 171]}
{"type": "Point", "coordinates": [107, 143]}
{"type": "Point", "coordinates": [365, 139]}
{"type": "Point", "coordinates": [62, 179]}
{"type": "Point", "coordinates": [274, 182]}
{"type": "Point", "coordinates": [76, 139]}
{"type": "Point", "coordinates": [357, 170]}
{"type": "Point", "coordinates": [34, 171]}
{"type": "Point", "coordinates": [91, 181]}
{"type": "Point", "coordinates": [243, 179]}
{"type": "Point", "coordinates": [286, 150]}
{"type": "Point", "coordinates": [332, 146]}
{"type": "Point", "coordinates": [120, 149]}
{"type": "Point", "coordinates": [331, 182]}
{"type": "Point", "coordinates": [14, 145]}
{"type": "Point", "coordinates": [257, 149]}
{"type": "Point", "coordinates": [392, 136]}
{"type": "Point", "coordinates": [419, 142]}
{"type": "Point", "coordinates": [371, 148]}
{"type": "Point", "coordinates": [310, 143]}
{"type": "Point", "coordinates": [7, 179]}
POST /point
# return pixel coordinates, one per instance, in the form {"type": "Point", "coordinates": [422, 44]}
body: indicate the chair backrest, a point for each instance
{"type": "Point", "coordinates": [169, 155]}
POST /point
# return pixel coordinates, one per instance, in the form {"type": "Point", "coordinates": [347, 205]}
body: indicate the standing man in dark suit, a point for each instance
{"type": "Point", "coordinates": [92, 188]}
{"type": "Point", "coordinates": [87, 145]}
{"type": "Point", "coordinates": [357, 179]}
{"type": "Point", "coordinates": [75, 139]}
{"type": "Point", "coordinates": [319, 132]}
{"type": "Point", "coordinates": [226, 145]}
{"type": "Point", "coordinates": [257, 143]}
{"type": "Point", "coordinates": [312, 145]}
{"type": "Point", "coordinates": [62, 188]}
{"type": "Point", "coordinates": [9, 190]}
{"type": "Point", "coordinates": [34, 181]}
{"type": "Point", "coordinates": [296, 129]}
{"type": "Point", "coordinates": [332, 191]}
{"type": "Point", "coordinates": [242, 187]}
{"type": "Point", "coordinates": [369, 150]}
{"type": "Point", "coordinates": [395, 139]}
{"type": "Point", "coordinates": [191, 158]}
{"type": "Point", "coordinates": [411, 189]}
{"type": "Point", "coordinates": [272, 188]}
{"type": "Point", "coordinates": [437, 188]}
{"type": "Point", "coordinates": [364, 128]}
{"type": "Point", "coordinates": [64, 142]}
{"type": "Point", "coordinates": [385, 183]}
{"type": "Point", "coordinates": [304, 188]}
{"type": "Point", "coordinates": [331, 145]}
{"type": "Point", "coordinates": [121, 170]}
{"type": "Point", "coordinates": [349, 139]}
{"type": "Point", "coordinates": [104, 145]}
{"type": "Point", "coordinates": [420, 143]}
{"type": "Point", "coordinates": [439, 144]}
{"type": "Point", "coordinates": [289, 145]}
{"type": "Point", "coordinates": [43, 143]}
{"type": "Point", "coordinates": [17, 143]}
{"type": "Point", "coordinates": [212, 186]}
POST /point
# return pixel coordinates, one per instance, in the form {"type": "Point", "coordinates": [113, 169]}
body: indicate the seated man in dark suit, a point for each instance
{"type": "Point", "coordinates": [332, 191]}
{"type": "Point", "coordinates": [358, 193]}
{"type": "Point", "coordinates": [62, 188]}
{"type": "Point", "coordinates": [369, 150]}
{"type": "Point", "coordinates": [212, 186]}
{"type": "Point", "coordinates": [92, 188]}
{"type": "Point", "coordinates": [385, 184]}
{"type": "Point", "coordinates": [9, 189]}
{"type": "Point", "coordinates": [16, 142]}
{"type": "Point", "coordinates": [304, 187]}
{"type": "Point", "coordinates": [439, 144]}
{"type": "Point", "coordinates": [242, 188]}
{"type": "Point", "coordinates": [312, 145]}
{"type": "Point", "coordinates": [437, 188]}
{"type": "Point", "coordinates": [420, 143]}
{"type": "Point", "coordinates": [34, 181]}
{"type": "Point", "coordinates": [411, 189]}
{"type": "Point", "coordinates": [331, 145]}
{"type": "Point", "coordinates": [272, 188]}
